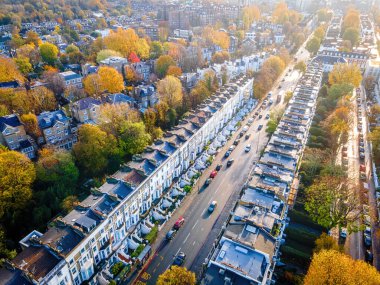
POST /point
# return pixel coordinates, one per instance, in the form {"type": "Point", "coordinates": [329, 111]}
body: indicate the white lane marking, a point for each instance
{"type": "Point", "coordinates": [186, 238]}
{"type": "Point", "coordinates": [195, 224]}
{"type": "Point", "coordinates": [177, 253]}
{"type": "Point", "coordinates": [193, 243]}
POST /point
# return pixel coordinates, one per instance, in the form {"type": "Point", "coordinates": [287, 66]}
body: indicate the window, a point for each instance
{"type": "Point", "coordinates": [82, 250]}
{"type": "Point", "coordinates": [71, 261]}
{"type": "Point", "coordinates": [94, 249]}
{"type": "Point", "coordinates": [74, 270]}
{"type": "Point", "coordinates": [62, 282]}
{"type": "Point", "coordinates": [76, 280]}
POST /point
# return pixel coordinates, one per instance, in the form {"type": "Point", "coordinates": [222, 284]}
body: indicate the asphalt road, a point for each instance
{"type": "Point", "coordinates": [197, 232]}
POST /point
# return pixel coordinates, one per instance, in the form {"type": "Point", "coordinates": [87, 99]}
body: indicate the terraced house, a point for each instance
{"type": "Point", "coordinates": [112, 222]}
{"type": "Point", "coordinates": [248, 249]}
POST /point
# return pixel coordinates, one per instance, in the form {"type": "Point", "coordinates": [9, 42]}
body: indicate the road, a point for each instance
{"type": "Point", "coordinates": [200, 229]}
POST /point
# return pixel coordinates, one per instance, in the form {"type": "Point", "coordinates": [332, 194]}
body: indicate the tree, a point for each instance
{"type": "Point", "coordinates": [333, 267]}
{"type": "Point", "coordinates": [170, 91]}
{"type": "Point", "coordinates": [150, 121]}
{"type": "Point", "coordinates": [156, 49]}
{"type": "Point", "coordinates": [9, 71]}
{"type": "Point", "coordinates": [110, 79]}
{"type": "Point", "coordinates": [323, 15]}
{"type": "Point", "coordinates": [176, 275]}
{"type": "Point", "coordinates": [131, 75]}
{"type": "Point", "coordinates": [106, 53]}
{"type": "Point", "coordinates": [91, 84]}
{"type": "Point", "coordinates": [331, 201]}
{"type": "Point", "coordinates": [220, 57]}
{"type": "Point", "coordinates": [313, 44]}
{"type": "Point", "coordinates": [301, 66]}
{"type": "Point", "coordinates": [162, 65]}
{"type": "Point", "coordinates": [23, 65]}
{"type": "Point", "coordinates": [69, 203]}
{"type": "Point", "coordinates": [32, 38]}
{"type": "Point", "coordinates": [249, 15]}
{"type": "Point", "coordinates": [49, 53]}
{"type": "Point", "coordinates": [95, 150]}
{"type": "Point", "coordinates": [320, 32]}
{"type": "Point", "coordinates": [133, 138]}
{"type": "Point", "coordinates": [57, 167]}
{"type": "Point", "coordinates": [54, 82]}
{"type": "Point", "coordinates": [326, 242]}
{"type": "Point", "coordinates": [214, 37]}
{"type": "Point", "coordinates": [133, 58]}
{"type": "Point", "coordinates": [30, 122]}
{"type": "Point", "coordinates": [127, 41]}
{"type": "Point", "coordinates": [31, 52]}
{"type": "Point", "coordinates": [44, 99]}
{"type": "Point", "coordinates": [174, 71]}
{"type": "Point", "coordinates": [345, 73]}
{"type": "Point", "coordinates": [352, 35]}
{"type": "Point", "coordinates": [17, 175]}
{"type": "Point", "coordinates": [351, 20]}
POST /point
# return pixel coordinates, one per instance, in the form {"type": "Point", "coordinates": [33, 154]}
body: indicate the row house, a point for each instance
{"type": "Point", "coordinates": [248, 250]}
{"type": "Point", "coordinates": [13, 136]}
{"type": "Point", "coordinates": [56, 130]}
{"type": "Point", "coordinates": [359, 59]}
{"type": "Point", "coordinates": [109, 222]}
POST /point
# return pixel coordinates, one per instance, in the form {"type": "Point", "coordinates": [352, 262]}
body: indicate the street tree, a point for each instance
{"type": "Point", "coordinates": [345, 73]}
{"type": "Point", "coordinates": [177, 275]}
{"type": "Point", "coordinates": [352, 35]}
{"type": "Point", "coordinates": [313, 45]}
{"type": "Point", "coordinates": [326, 242]}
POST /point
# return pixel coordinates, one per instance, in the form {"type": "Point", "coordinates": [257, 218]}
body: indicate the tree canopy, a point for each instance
{"type": "Point", "coordinates": [345, 73]}
{"type": "Point", "coordinates": [49, 53]}
{"type": "Point", "coordinates": [170, 91]}
{"type": "Point", "coordinates": [176, 275]}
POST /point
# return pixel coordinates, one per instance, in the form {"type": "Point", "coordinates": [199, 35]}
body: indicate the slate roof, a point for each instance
{"type": "Point", "coordinates": [69, 75]}
{"type": "Point", "coordinates": [119, 98]}
{"type": "Point", "coordinates": [48, 119]}
{"type": "Point", "coordinates": [9, 120]}
{"type": "Point", "coordinates": [86, 103]}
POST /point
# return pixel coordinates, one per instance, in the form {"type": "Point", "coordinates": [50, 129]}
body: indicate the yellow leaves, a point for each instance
{"type": "Point", "coordinates": [351, 19]}
{"type": "Point", "coordinates": [176, 275]}
{"type": "Point", "coordinates": [107, 79]}
{"type": "Point", "coordinates": [219, 38]}
{"type": "Point", "coordinates": [345, 73]}
{"type": "Point", "coordinates": [250, 14]}
{"type": "Point", "coordinates": [9, 71]}
{"type": "Point", "coordinates": [332, 267]}
{"type": "Point", "coordinates": [127, 41]}
{"type": "Point", "coordinates": [174, 71]}
{"type": "Point", "coordinates": [170, 91]}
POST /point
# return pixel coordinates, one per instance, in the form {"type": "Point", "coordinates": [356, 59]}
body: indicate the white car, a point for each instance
{"type": "Point", "coordinates": [247, 148]}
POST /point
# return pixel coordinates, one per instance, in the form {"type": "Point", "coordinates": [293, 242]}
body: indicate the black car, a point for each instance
{"type": "Point", "coordinates": [179, 259]}
{"type": "Point", "coordinates": [260, 127]}
{"type": "Point", "coordinates": [227, 154]}
{"type": "Point", "coordinates": [368, 256]}
{"type": "Point", "coordinates": [247, 136]}
{"type": "Point", "coordinates": [241, 134]}
{"type": "Point", "coordinates": [236, 142]}
{"type": "Point", "coordinates": [229, 163]}
{"type": "Point", "coordinates": [218, 167]}
{"type": "Point", "coordinates": [260, 116]}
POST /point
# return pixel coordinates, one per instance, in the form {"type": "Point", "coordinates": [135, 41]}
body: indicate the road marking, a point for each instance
{"type": "Point", "coordinates": [193, 243]}
{"type": "Point", "coordinates": [195, 224]}
{"type": "Point", "coordinates": [186, 238]}
{"type": "Point", "coordinates": [177, 252]}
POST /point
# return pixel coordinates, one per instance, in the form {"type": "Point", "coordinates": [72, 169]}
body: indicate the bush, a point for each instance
{"type": "Point", "coordinates": [187, 188]}
{"type": "Point", "coordinates": [301, 236]}
{"type": "Point", "coordinates": [304, 219]}
{"type": "Point", "coordinates": [151, 237]}
{"type": "Point", "coordinates": [117, 268]}
{"type": "Point", "coordinates": [138, 250]}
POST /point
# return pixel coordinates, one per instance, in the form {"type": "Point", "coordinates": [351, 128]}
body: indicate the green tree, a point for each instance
{"type": "Point", "coordinates": [17, 175]}
{"type": "Point", "coordinates": [352, 35]}
{"type": "Point", "coordinates": [313, 45]}
{"type": "Point", "coordinates": [156, 49]}
{"type": "Point", "coordinates": [69, 203]}
{"type": "Point", "coordinates": [23, 65]}
{"type": "Point", "coordinates": [49, 53]}
{"type": "Point", "coordinates": [5, 253]}
{"type": "Point", "coordinates": [176, 275]}
{"type": "Point", "coordinates": [133, 138]}
{"type": "Point", "coordinates": [162, 65]}
{"type": "Point", "coordinates": [106, 53]}
{"type": "Point", "coordinates": [96, 151]}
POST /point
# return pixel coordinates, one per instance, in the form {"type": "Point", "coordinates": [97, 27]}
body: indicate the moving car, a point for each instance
{"type": "Point", "coordinates": [213, 173]}
{"type": "Point", "coordinates": [247, 136]}
{"type": "Point", "coordinates": [178, 224]}
{"type": "Point", "coordinates": [218, 167]}
{"type": "Point", "coordinates": [229, 163]}
{"type": "Point", "coordinates": [247, 148]}
{"type": "Point", "coordinates": [179, 259]}
{"type": "Point", "coordinates": [260, 127]}
{"type": "Point", "coordinates": [170, 234]}
{"type": "Point", "coordinates": [212, 206]}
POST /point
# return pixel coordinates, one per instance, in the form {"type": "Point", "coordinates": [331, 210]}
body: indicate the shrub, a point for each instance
{"type": "Point", "coordinates": [187, 188]}
{"type": "Point", "coordinates": [116, 268]}
{"type": "Point", "coordinates": [151, 237]}
{"type": "Point", "coordinates": [138, 250]}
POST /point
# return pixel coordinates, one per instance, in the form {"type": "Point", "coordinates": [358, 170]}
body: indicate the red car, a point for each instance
{"type": "Point", "coordinates": [179, 223]}
{"type": "Point", "coordinates": [362, 167]}
{"type": "Point", "coordinates": [213, 173]}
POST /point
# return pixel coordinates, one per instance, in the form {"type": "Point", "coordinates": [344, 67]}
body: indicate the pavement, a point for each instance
{"type": "Point", "coordinates": [200, 230]}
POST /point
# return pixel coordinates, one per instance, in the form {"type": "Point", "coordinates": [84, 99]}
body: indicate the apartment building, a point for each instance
{"type": "Point", "coordinates": [248, 250]}
{"type": "Point", "coordinates": [112, 221]}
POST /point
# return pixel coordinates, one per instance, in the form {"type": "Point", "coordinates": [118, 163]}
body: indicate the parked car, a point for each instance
{"type": "Point", "coordinates": [247, 136]}
{"type": "Point", "coordinates": [260, 116]}
{"type": "Point", "coordinates": [229, 163]}
{"type": "Point", "coordinates": [247, 148]}
{"type": "Point", "coordinates": [179, 259]}
{"type": "Point", "coordinates": [267, 116]}
{"type": "Point", "coordinates": [241, 134]}
{"type": "Point", "coordinates": [260, 127]}
{"type": "Point", "coordinates": [245, 129]}
{"type": "Point", "coordinates": [367, 241]}
{"type": "Point", "coordinates": [250, 120]}
{"type": "Point", "coordinates": [361, 155]}
{"type": "Point", "coordinates": [236, 142]}
{"type": "Point", "coordinates": [212, 206]}
{"type": "Point", "coordinates": [170, 234]}
{"type": "Point", "coordinates": [227, 154]}
{"type": "Point", "coordinates": [218, 167]}
{"type": "Point", "coordinates": [363, 176]}
{"type": "Point", "coordinates": [178, 224]}
{"type": "Point", "coordinates": [231, 148]}
{"type": "Point", "coordinates": [208, 181]}
{"type": "Point", "coordinates": [368, 256]}
{"type": "Point", "coordinates": [213, 173]}
{"type": "Point", "coordinates": [343, 232]}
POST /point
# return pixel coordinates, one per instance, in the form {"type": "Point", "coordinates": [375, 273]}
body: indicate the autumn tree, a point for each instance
{"type": "Point", "coordinates": [133, 138]}
{"type": "Point", "coordinates": [345, 73]}
{"type": "Point", "coordinates": [324, 15]}
{"type": "Point", "coordinates": [162, 65]}
{"type": "Point", "coordinates": [301, 66]}
{"type": "Point", "coordinates": [96, 151]}
{"type": "Point", "coordinates": [332, 201]}
{"type": "Point", "coordinates": [156, 49]}
{"type": "Point", "coordinates": [170, 91]}
{"type": "Point", "coordinates": [352, 35]}
{"type": "Point", "coordinates": [174, 71]}
{"type": "Point", "coordinates": [44, 99]}
{"type": "Point", "coordinates": [106, 53]}
{"type": "Point", "coordinates": [57, 167]}
{"type": "Point", "coordinates": [30, 52]}
{"type": "Point", "coordinates": [131, 75]}
{"type": "Point", "coordinates": [30, 122]}
{"type": "Point", "coordinates": [150, 121]}
{"type": "Point", "coordinates": [220, 57]}
{"type": "Point", "coordinates": [126, 42]}
{"type": "Point", "coordinates": [9, 71]}
{"type": "Point", "coordinates": [69, 203]}
{"type": "Point", "coordinates": [54, 82]}
{"type": "Point", "coordinates": [106, 80]}
{"type": "Point", "coordinates": [351, 20]}
{"type": "Point", "coordinates": [326, 242]}
{"type": "Point", "coordinates": [333, 267]}
{"type": "Point", "coordinates": [313, 45]}
{"type": "Point", "coordinates": [249, 15]}
{"type": "Point", "coordinates": [49, 53]}
{"type": "Point", "coordinates": [23, 65]}
{"type": "Point", "coordinates": [176, 275]}
{"type": "Point", "coordinates": [216, 37]}
{"type": "Point", "coordinates": [282, 14]}
{"type": "Point", "coordinates": [17, 175]}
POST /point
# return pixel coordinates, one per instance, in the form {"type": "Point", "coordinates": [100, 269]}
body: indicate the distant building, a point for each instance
{"type": "Point", "coordinates": [146, 96]}
{"type": "Point", "coordinates": [116, 62]}
{"type": "Point", "coordinates": [72, 79]}
{"type": "Point", "coordinates": [143, 69]}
